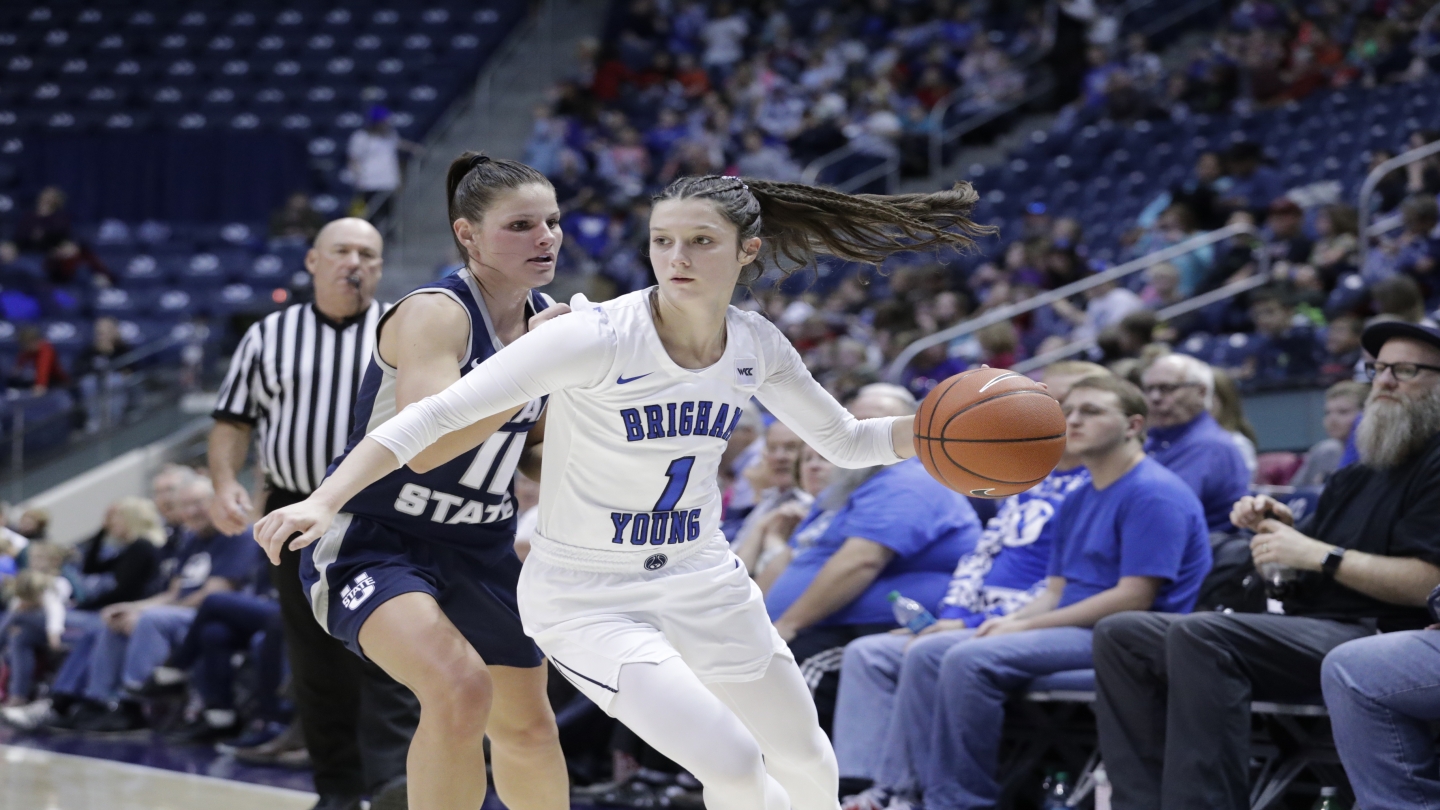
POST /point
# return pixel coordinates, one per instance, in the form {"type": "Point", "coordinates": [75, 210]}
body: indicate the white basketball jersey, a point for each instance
{"type": "Point", "coordinates": [632, 440]}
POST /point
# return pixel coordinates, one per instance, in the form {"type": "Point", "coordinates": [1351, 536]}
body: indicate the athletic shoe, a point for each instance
{"type": "Point", "coordinates": [161, 683]}
{"type": "Point", "coordinates": [292, 739]}
{"type": "Point", "coordinates": [901, 801]}
{"type": "Point", "coordinates": [392, 796]}
{"type": "Point", "coordinates": [871, 798]}
{"type": "Point", "coordinates": [200, 732]}
{"type": "Point", "coordinates": [259, 734]}
{"type": "Point", "coordinates": [27, 717]}
{"type": "Point", "coordinates": [78, 713]}
{"type": "Point", "coordinates": [117, 718]}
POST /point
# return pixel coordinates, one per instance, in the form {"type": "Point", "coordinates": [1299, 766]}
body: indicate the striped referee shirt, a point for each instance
{"type": "Point", "coordinates": [295, 376]}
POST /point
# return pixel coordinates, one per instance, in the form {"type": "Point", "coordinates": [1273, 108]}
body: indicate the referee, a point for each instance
{"type": "Point", "coordinates": [292, 385]}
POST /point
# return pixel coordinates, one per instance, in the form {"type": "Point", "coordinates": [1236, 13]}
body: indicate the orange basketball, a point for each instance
{"type": "Point", "coordinates": [989, 433]}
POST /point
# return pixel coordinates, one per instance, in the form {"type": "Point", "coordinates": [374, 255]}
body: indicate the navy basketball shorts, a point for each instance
{"type": "Point", "coordinates": [359, 565]}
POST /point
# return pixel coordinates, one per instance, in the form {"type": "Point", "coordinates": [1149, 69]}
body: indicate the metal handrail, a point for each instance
{"type": "Point", "coordinates": [1188, 305]}
{"type": "Point", "coordinates": [1378, 173]}
{"type": "Point", "coordinates": [1427, 22]}
{"type": "Point", "coordinates": [1386, 224]}
{"type": "Point", "coordinates": [1005, 313]}
{"type": "Point", "coordinates": [940, 137]}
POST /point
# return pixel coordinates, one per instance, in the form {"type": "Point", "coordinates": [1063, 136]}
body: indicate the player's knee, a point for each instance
{"type": "Point", "coordinates": [531, 734]}
{"type": "Point", "coordinates": [810, 753]}
{"type": "Point", "coordinates": [733, 763]}
{"type": "Point", "coordinates": [459, 701]}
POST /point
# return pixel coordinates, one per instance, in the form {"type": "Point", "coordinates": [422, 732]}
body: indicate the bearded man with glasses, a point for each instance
{"type": "Point", "coordinates": [1366, 560]}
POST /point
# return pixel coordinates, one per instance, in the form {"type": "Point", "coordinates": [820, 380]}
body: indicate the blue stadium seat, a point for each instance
{"type": "Point", "coordinates": [175, 304]}
{"type": "Point", "coordinates": [117, 302]}
{"type": "Point", "coordinates": [140, 270]}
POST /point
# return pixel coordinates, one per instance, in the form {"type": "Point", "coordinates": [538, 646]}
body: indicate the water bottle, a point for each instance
{"type": "Point", "coordinates": [1103, 790]}
{"type": "Point", "coordinates": [910, 614]}
{"type": "Point", "coordinates": [1059, 792]}
{"type": "Point", "coordinates": [1329, 800]}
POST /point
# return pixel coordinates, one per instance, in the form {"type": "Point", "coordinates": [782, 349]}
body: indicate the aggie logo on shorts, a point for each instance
{"type": "Point", "coordinates": [354, 595]}
{"type": "Point", "coordinates": [655, 562]}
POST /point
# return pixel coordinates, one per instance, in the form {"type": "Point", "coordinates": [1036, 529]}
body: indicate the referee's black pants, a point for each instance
{"type": "Point", "coordinates": [1173, 699]}
{"type": "Point", "coordinates": [357, 720]}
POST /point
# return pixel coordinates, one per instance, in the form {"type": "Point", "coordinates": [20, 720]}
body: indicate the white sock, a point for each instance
{"type": "Point", "coordinates": [168, 676]}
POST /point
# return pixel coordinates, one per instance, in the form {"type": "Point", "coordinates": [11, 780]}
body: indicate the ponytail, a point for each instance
{"type": "Point", "coordinates": [475, 181]}
{"type": "Point", "coordinates": [799, 222]}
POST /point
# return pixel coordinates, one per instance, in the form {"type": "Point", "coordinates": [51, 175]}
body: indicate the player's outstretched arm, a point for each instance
{"type": "Point", "coordinates": [902, 436]}
{"type": "Point", "coordinates": [366, 464]}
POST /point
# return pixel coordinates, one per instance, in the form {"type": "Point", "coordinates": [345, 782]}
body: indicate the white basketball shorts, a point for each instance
{"type": "Point", "coordinates": [704, 608]}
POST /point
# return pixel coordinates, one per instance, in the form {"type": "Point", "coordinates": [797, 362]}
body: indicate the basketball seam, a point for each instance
{"type": "Point", "coordinates": [963, 468]}
{"type": "Point", "coordinates": [942, 439]}
{"type": "Point", "coordinates": [957, 414]}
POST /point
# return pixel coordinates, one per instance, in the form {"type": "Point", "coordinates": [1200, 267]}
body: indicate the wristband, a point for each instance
{"type": "Point", "coordinates": [1331, 564]}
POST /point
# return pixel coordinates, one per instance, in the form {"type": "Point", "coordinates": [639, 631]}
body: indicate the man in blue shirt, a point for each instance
{"type": "Point", "coordinates": [137, 636]}
{"type": "Point", "coordinates": [1188, 441]}
{"type": "Point", "coordinates": [883, 712]}
{"type": "Point", "coordinates": [1134, 538]}
{"type": "Point", "coordinates": [870, 532]}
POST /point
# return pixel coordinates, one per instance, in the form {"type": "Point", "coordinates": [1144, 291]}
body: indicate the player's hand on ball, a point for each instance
{"type": "Point", "coordinates": [549, 313]}
{"type": "Point", "coordinates": [301, 524]}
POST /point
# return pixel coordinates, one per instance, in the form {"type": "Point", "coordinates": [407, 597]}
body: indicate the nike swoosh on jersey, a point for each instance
{"type": "Point", "coordinates": [621, 380]}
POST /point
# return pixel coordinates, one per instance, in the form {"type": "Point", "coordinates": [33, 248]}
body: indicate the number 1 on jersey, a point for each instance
{"type": "Point", "coordinates": [679, 475]}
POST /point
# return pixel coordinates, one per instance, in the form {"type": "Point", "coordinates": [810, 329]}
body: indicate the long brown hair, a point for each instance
{"type": "Point", "coordinates": [799, 222]}
{"type": "Point", "coordinates": [475, 181]}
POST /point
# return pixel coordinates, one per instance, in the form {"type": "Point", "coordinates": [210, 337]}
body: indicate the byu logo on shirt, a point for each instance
{"type": "Point", "coordinates": [355, 594]}
{"type": "Point", "coordinates": [655, 562]}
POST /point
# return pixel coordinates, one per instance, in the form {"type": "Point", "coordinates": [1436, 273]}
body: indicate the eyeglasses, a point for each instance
{"type": "Point", "coordinates": [1404, 372]}
{"type": "Point", "coordinates": [1166, 389]}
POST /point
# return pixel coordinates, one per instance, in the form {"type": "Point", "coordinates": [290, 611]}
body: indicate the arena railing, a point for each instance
{"type": "Point", "coordinates": [1428, 22]}
{"type": "Point", "coordinates": [168, 385]}
{"type": "Point", "coordinates": [1400, 161]}
{"type": "Point", "coordinates": [897, 367]}
{"type": "Point", "coordinates": [889, 169]}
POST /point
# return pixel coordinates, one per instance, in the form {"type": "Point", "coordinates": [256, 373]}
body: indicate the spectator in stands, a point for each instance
{"type": "Point", "coordinates": [72, 261]}
{"type": "Point", "coordinates": [103, 388]}
{"type": "Point", "coordinates": [863, 547]}
{"type": "Point", "coordinates": [1367, 559]}
{"type": "Point", "coordinates": [1133, 538]}
{"type": "Point", "coordinates": [1344, 402]}
{"type": "Point", "coordinates": [1336, 250]}
{"type": "Point", "coordinates": [138, 636]}
{"type": "Point", "coordinates": [1400, 298]}
{"type": "Point", "coordinates": [1253, 184]}
{"type": "Point", "coordinates": [224, 624]}
{"type": "Point", "coordinates": [122, 559]}
{"type": "Point", "coordinates": [1186, 439]}
{"type": "Point", "coordinates": [36, 368]}
{"type": "Point", "coordinates": [47, 226]}
{"type": "Point", "coordinates": [1286, 240]}
{"type": "Point", "coordinates": [373, 153]}
{"type": "Point", "coordinates": [1229, 413]}
{"type": "Point", "coordinates": [1381, 695]}
{"type": "Point", "coordinates": [1342, 348]}
{"type": "Point", "coordinates": [885, 699]}
{"type": "Point", "coordinates": [774, 532]}
{"type": "Point", "coordinates": [1162, 286]}
{"type": "Point", "coordinates": [1413, 252]}
{"type": "Point", "coordinates": [1175, 225]}
{"type": "Point", "coordinates": [765, 162]}
{"type": "Point", "coordinates": [295, 224]}
{"type": "Point", "coordinates": [1285, 350]}
{"type": "Point", "coordinates": [33, 524]}
{"type": "Point", "coordinates": [775, 480]}
{"type": "Point", "coordinates": [34, 623]}
{"type": "Point", "coordinates": [1106, 305]}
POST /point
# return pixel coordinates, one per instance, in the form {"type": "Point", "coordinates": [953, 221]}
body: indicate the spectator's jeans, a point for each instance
{"type": "Point", "coordinates": [27, 640]}
{"type": "Point", "coordinates": [105, 397]}
{"type": "Point", "coordinates": [973, 682]}
{"type": "Point", "coordinates": [1383, 692]}
{"type": "Point", "coordinates": [885, 711]}
{"type": "Point", "coordinates": [224, 623]}
{"type": "Point", "coordinates": [1190, 678]}
{"type": "Point", "coordinates": [72, 676]}
{"type": "Point", "coordinates": [127, 661]}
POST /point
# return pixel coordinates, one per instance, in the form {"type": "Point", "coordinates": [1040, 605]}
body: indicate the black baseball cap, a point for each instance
{"type": "Point", "coordinates": [1376, 334]}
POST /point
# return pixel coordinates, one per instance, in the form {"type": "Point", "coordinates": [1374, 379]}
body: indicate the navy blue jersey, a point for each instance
{"type": "Point", "coordinates": [468, 501]}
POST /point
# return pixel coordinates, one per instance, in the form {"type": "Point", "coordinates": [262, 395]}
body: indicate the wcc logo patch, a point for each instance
{"type": "Point", "coordinates": [354, 595]}
{"type": "Point", "coordinates": [744, 371]}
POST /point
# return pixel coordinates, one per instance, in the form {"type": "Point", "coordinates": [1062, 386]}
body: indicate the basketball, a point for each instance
{"type": "Point", "coordinates": [989, 433]}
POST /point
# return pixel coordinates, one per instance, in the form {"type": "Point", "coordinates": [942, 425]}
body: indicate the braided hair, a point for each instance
{"type": "Point", "coordinates": [799, 222]}
{"type": "Point", "coordinates": [475, 181]}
